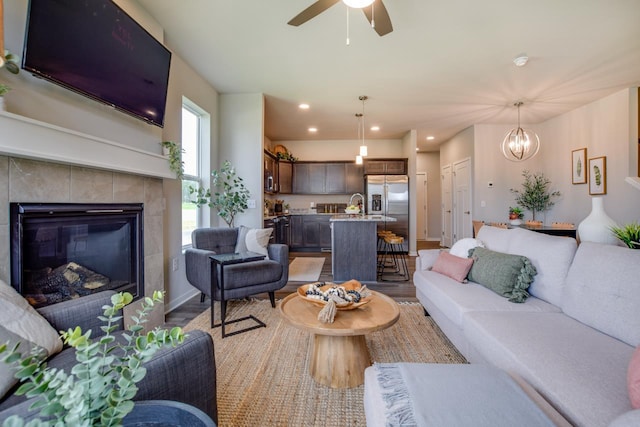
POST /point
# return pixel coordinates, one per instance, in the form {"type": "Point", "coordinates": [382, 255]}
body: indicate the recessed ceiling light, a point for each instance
{"type": "Point", "coordinates": [303, 106]}
{"type": "Point", "coordinates": [431, 138]}
{"type": "Point", "coordinates": [375, 128]}
{"type": "Point", "coordinates": [417, 149]}
{"type": "Point", "coordinates": [521, 60]}
{"type": "Point", "coordinates": [312, 129]}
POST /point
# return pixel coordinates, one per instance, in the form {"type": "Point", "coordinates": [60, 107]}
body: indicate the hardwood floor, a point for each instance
{"type": "Point", "coordinates": [398, 290]}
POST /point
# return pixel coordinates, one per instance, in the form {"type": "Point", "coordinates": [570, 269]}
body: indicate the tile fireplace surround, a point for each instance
{"type": "Point", "coordinates": [39, 181]}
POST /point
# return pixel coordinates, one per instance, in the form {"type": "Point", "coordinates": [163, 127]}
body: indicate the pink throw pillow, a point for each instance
{"type": "Point", "coordinates": [633, 379]}
{"type": "Point", "coordinates": [453, 266]}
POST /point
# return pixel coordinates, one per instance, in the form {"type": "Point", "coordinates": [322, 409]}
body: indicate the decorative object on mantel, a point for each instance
{"type": "Point", "coordinates": [4, 89]}
{"type": "Point", "coordinates": [174, 152]}
{"type": "Point", "coordinates": [598, 175]}
{"type": "Point", "coordinates": [520, 144]}
{"type": "Point", "coordinates": [231, 198]}
{"type": "Point", "coordinates": [106, 396]}
{"type": "Point", "coordinates": [7, 59]}
{"type": "Point", "coordinates": [596, 227]}
{"type": "Point", "coordinates": [629, 234]}
{"type": "Point", "coordinates": [515, 215]}
{"type": "Point", "coordinates": [282, 153]}
{"type": "Point", "coordinates": [535, 195]}
{"type": "Point", "coordinates": [578, 166]}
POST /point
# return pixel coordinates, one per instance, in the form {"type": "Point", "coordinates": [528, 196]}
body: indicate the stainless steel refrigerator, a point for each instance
{"type": "Point", "coordinates": [388, 195]}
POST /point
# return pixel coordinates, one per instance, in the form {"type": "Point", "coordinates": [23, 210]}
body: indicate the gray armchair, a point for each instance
{"type": "Point", "coordinates": [240, 280]}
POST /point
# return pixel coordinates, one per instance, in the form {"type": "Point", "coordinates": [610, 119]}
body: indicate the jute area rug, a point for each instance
{"type": "Point", "coordinates": [263, 375]}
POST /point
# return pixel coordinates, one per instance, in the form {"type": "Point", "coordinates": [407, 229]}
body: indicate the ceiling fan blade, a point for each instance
{"type": "Point", "coordinates": [312, 11]}
{"type": "Point", "coordinates": [381, 17]}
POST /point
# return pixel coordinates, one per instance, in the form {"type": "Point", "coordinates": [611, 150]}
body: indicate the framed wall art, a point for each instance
{"type": "Point", "coordinates": [579, 166]}
{"type": "Point", "coordinates": [598, 175]}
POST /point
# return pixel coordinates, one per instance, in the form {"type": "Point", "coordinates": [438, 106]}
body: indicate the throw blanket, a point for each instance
{"type": "Point", "coordinates": [420, 394]}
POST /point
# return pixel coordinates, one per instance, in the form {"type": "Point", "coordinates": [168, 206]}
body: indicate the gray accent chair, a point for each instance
{"type": "Point", "coordinates": [240, 280]}
{"type": "Point", "coordinates": [185, 373]}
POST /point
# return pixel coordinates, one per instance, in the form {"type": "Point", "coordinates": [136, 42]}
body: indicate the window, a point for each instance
{"type": "Point", "coordinates": [191, 146]}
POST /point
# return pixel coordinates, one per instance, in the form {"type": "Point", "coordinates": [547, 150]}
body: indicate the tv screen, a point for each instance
{"type": "Point", "coordinates": [93, 47]}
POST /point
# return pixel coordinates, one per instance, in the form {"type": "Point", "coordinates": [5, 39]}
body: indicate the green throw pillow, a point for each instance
{"type": "Point", "coordinates": [505, 274]}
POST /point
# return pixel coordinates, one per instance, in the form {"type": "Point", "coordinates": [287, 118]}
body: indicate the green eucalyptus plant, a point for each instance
{"type": "Point", "coordinates": [4, 89]}
{"type": "Point", "coordinates": [230, 198]}
{"type": "Point", "coordinates": [629, 234]}
{"type": "Point", "coordinates": [175, 158]}
{"type": "Point", "coordinates": [99, 389]}
{"type": "Point", "coordinates": [535, 194]}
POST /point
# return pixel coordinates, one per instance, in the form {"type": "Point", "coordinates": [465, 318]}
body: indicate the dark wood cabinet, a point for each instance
{"type": "Point", "coordinates": [385, 166]}
{"type": "Point", "coordinates": [270, 173]}
{"type": "Point", "coordinates": [310, 232]}
{"type": "Point", "coordinates": [354, 178]}
{"type": "Point", "coordinates": [285, 177]}
{"type": "Point", "coordinates": [327, 178]}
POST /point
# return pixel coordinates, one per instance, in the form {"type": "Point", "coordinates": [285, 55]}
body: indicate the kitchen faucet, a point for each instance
{"type": "Point", "coordinates": [361, 198]}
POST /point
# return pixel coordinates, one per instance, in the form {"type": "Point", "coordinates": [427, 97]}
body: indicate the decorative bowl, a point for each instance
{"type": "Point", "coordinates": [350, 285]}
{"type": "Point", "coordinates": [352, 211]}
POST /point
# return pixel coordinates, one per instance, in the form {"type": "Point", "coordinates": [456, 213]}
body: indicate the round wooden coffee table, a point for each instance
{"type": "Point", "coordinates": [340, 354]}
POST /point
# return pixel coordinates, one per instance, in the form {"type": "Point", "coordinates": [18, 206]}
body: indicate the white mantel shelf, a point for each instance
{"type": "Point", "coordinates": [33, 139]}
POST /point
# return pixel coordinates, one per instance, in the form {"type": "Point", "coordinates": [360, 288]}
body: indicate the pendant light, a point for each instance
{"type": "Point", "coordinates": [359, 156]}
{"type": "Point", "coordinates": [363, 146]}
{"type": "Point", "coordinates": [520, 144]}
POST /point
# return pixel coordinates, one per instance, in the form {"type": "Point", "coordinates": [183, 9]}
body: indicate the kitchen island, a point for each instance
{"type": "Point", "coordinates": [354, 241]}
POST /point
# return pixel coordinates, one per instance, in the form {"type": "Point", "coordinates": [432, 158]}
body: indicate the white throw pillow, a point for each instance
{"type": "Point", "coordinates": [462, 247]}
{"type": "Point", "coordinates": [258, 239]}
{"type": "Point", "coordinates": [23, 320]}
{"type": "Point", "coordinates": [428, 257]}
{"type": "Point", "coordinates": [241, 243]}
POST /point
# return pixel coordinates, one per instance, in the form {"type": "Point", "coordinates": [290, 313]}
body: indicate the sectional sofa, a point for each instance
{"type": "Point", "coordinates": [572, 339]}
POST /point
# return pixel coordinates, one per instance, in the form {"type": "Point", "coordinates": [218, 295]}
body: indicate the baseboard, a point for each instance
{"type": "Point", "coordinates": [168, 308]}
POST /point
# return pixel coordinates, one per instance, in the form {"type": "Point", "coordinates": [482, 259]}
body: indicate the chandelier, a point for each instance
{"type": "Point", "coordinates": [520, 144]}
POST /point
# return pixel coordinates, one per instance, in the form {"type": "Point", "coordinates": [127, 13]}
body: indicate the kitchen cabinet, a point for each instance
{"type": "Point", "coordinates": [354, 178]}
{"type": "Point", "coordinates": [385, 166]}
{"type": "Point", "coordinates": [310, 232]}
{"type": "Point", "coordinates": [327, 178]}
{"type": "Point", "coordinates": [285, 177]}
{"type": "Point", "coordinates": [270, 173]}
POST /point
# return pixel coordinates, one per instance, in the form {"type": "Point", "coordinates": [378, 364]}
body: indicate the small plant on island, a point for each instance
{"type": "Point", "coordinates": [99, 389]}
{"type": "Point", "coordinates": [629, 234]}
{"type": "Point", "coordinates": [535, 194]}
{"type": "Point", "coordinates": [230, 198]}
{"type": "Point", "coordinates": [175, 157]}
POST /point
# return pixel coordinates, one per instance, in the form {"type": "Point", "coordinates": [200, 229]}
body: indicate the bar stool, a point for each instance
{"type": "Point", "coordinates": [393, 248]}
{"type": "Point", "coordinates": [381, 249]}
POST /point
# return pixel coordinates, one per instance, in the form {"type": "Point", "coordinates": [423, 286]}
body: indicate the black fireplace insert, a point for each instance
{"type": "Point", "coordinates": [65, 251]}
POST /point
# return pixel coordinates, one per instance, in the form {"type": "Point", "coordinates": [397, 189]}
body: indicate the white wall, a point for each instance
{"type": "Point", "coordinates": [409, 144]}
{"type": "Point", "coordinates": [241, 136]}
{"type": "Point", "coordinates": [429, 163]}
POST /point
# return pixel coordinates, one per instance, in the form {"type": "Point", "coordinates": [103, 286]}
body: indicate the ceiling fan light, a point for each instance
{"type": "Point", "coordinates": [358, 4]}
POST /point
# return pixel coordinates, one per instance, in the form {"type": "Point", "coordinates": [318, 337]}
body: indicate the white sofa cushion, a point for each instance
{"type": "Point", "coordinates": [550, 255]}
{"type": "Point", "coordinates": [603, 290]}
{"type": "Point", "coordinates": [579, 370]}
{"type": "Point", "coordinates": [456, 299]}
{"type": "Point", "coordinates": [494, 238]}
{"type": "Point", "coordinates": [426, 258]}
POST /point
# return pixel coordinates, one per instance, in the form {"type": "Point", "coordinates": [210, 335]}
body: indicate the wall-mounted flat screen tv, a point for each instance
{"type": "Point", "coordinates": [93, 47]}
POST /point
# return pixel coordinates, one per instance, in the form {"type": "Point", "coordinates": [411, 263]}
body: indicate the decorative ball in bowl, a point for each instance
{"type": "Point", "coordinates": [352, 291]}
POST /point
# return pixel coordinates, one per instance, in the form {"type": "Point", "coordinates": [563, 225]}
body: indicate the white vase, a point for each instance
{"type": "Point", "coordinates": [2, 103]}
{"type": "Point", "coordinates": [597, 226]}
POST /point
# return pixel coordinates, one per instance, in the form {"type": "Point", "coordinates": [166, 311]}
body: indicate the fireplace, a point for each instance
{"type": "Point", "coordinates": [65, 251]}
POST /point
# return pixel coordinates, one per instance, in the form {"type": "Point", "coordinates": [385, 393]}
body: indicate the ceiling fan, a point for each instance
{"type": "Point", "coordinates": [376, 13]}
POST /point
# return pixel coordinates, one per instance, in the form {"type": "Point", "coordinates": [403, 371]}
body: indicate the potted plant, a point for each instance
{"type": "Point", "coordinates": [10, 62]}
{"type": "Point", "coordinates": [231, 197]}
{"type": "Point", "coordinates": [99, 389]}
{"type": "Point", "coordinates": [629, 234]}
{"type": "Point", "coordinates": [174, 152]}
{"type": "Point", "coordinates": [535, 194]}
{"type": "Point", "coordinates": [4, 89]}
{"type": "Point", "coordinates": [515, 215]}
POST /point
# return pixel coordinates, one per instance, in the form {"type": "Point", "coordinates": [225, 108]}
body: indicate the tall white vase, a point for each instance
{"type": "Point", "coordinates": [597, 226]}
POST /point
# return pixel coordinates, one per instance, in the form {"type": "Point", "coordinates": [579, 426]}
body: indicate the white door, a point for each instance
{"type": "Point", "coordinates": [462, 226]}
{"type": "Point", "coordinates": [447, 207]}
{"type": "Point", "coordinates": [421, 206]}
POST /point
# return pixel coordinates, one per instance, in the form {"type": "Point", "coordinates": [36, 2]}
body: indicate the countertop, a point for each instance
{"type": "Point", "coordinates": [358, 217]}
